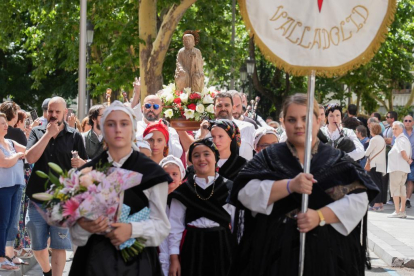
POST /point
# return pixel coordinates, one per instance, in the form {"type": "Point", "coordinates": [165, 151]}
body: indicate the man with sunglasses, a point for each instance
{"type": "Point", "coordinates": [151, 109]}
{"type": "Point", "coordinates": [408, 131]}
{"type": "Point", "coordinates": [391, 117]}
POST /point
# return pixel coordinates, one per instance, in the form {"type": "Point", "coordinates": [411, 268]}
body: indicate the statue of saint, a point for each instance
{"type": "Point", "coordinates": [189, 66]}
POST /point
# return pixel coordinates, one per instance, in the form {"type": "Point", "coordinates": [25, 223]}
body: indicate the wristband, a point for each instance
{"type": "Point", "coordinates": [287, 186]}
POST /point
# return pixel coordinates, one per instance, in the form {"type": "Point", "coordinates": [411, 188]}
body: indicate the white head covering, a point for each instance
{"type": "Point", "coordinates": [117, 105]}
{"type": "Point", "coordinates": [171, 159]}
{"type": "Point", "coordinates": [263, 131]}
{"type": "Point", "coordinates": [144, 144]}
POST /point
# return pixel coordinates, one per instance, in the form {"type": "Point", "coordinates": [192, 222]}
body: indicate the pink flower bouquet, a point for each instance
{"type": "Point", "coordinates": [87, 193]}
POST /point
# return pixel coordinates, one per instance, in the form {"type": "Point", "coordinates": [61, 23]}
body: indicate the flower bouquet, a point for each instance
{"type": "Point", "coordinates": [90, 194]}
{"type": "Point", "coordinates": [187, 105]}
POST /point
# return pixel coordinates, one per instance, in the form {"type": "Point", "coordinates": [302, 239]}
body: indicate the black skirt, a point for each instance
{"type": "Point", "coordinates": [381, 184]}
{"type": "Point", "coordinates": [100, 258]}
{"type": "Point", "coordinates": [206, 251]}
{"type": "Point", "coordinates": [327, 252]}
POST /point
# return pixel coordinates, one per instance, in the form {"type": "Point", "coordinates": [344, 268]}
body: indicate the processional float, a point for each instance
{"type": "Point", "coordinates": [317, 38]}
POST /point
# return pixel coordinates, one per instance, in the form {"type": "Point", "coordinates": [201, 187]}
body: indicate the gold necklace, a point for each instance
{"type": "Point", "coordinates": [195, 189]}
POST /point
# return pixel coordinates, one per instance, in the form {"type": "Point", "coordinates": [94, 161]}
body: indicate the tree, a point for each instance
{"type": "Point", "coordinates": [133, 38]}
{"type": "Point", "coordinates": [389, 70]}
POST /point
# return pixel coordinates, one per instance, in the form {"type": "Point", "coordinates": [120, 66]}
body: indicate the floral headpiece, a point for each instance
{"type": "Point", "coordinates": [232, 130]}
{"type": "Point", "coordinates": [208, 142]}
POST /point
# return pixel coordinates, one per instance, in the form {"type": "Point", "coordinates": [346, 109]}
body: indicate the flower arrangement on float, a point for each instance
{"type": "Point", "coordinates": [186, 104]}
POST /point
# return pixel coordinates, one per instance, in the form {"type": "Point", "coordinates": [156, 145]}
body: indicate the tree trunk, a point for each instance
{"type": "Point", "coordinates": [153, 52]}
{"type": "Point", "coordinates": [410, 99]}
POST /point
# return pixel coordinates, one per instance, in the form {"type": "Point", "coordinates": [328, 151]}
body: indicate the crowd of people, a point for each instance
{"type": "Point", "coordinates": [223, 200]}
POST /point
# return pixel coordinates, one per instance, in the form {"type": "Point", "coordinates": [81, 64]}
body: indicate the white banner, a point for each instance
{"type": "Point", "coordinates": [331, 37]}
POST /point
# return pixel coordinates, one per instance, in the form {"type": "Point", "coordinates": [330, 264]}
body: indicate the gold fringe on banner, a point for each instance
{"type": "Point", "coordinates": [329, 72]}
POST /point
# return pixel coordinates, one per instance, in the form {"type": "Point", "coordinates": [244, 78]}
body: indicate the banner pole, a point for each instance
{"type": "Point", "coordinates": [306, 165]}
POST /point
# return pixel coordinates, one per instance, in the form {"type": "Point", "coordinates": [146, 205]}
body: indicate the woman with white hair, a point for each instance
{"type": "Point", "coordinates": [399, 161]}
{"type": "Point", "coordinates": [98, 254]}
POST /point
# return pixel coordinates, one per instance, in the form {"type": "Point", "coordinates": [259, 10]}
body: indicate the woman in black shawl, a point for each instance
{"type": "Point", "coordinates": [97, 254]}
{"type": "Point", "coordinates": [269, 188]}
{"type": "Point", "coordinates": [226, 136]}
{"type": "Point", "coordinates": [200, 240]}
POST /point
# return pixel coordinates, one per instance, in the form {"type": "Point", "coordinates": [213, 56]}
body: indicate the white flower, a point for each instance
{"type": "Point", "coordinates": [210, 109]}
{"type": "Point", "coordinates": [200, 108]}
{"type": "Point", "coordinates": [189, 114]}
{"type": "Point", "coordinates": [208, 100]}
{"type": "Point", "coordinates": [212, 89]}
{"type": "Point", "coordinates": [187, 90]}
{"type": "Point", "coordinates": [204, 92]}
{"type": "Point", "coordinates": [184, 97]}
{"type": "Point", "coordinates": [168, 113]}
{"type": "Point", "coordinates": [56, 213]}
{"type": "Point", "coordinates": [169, 98]}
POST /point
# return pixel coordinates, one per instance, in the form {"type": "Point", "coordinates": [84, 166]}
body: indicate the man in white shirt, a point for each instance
{"type": "Point", "coordinates": [223, 109]}
{"type": "Point", "coordinates": [152, 108]}
{"type": "Point", "coordinates": [399, 161]}
{"type": "Point", "coordinates": [238, 109]}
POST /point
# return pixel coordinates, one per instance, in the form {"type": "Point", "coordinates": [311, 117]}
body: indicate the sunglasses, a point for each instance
{"type": "Point", "coordinates": [407, 121]}
{"type": "Point", "coordinates": [155, 106]}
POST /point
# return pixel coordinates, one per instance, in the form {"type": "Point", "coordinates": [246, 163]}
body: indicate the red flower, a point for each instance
{"type": "Point", "coordinates": [195, 96]}
{"type": "Point", "coordinates": [177, 100]}
{"type": "Point", "coordinates": [192, 106]}
{"type": "Point", "coordinates": [213, 95]}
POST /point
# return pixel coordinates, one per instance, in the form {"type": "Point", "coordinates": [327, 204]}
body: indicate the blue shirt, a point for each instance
{"type": "Point", "coordinates": [13, 175]}
{"type": "Point", "coordinates": [363, 161]}
{"type": "Point", "coordinates": [411, 138]}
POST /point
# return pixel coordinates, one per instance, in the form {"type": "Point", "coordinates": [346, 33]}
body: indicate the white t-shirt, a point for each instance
{"type": "Point", "coordinates": [395, 159]}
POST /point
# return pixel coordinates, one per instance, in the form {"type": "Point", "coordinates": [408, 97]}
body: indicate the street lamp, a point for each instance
{"type": "Point", "coordinates": [243, 75]}
{"type": "Point", "coordinates": [250, 62]}
{"type": "Point", "coordinates": [89, 40]}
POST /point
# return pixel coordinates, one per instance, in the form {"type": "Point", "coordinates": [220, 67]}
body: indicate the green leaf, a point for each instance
{"type": "Point", "coordinates": [54, 179]}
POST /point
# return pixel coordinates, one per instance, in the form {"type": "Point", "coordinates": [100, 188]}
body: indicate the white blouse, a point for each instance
{"type": "Point", "coordinates": [358, 152]}
{"type": "Point", "coordinates": [376, 144]}
{"type": "Point", "coordinates": [177, 217]}
{"type": "Point", "coordinates": [350, 209]}
{"type": "Point", "coordinates": [154, 230]}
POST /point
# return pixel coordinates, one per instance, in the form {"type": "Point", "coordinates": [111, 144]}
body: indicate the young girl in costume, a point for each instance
{"type": "Point", "coordinates": [270, 189]}
{"type": "Point", "coordinates": [200, 240]}
{"type": "Point", "coordinates": [98, 254]}
{"type": "Point", "coordinates": [174, 167]}
{"type": "Point", "coordinates": [157, 135]}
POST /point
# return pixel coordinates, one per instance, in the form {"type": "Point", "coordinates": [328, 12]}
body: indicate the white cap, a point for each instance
{"type": "Point", "coordinates": [171, 159]}
{"type": "Point", "coordinates": [263, 131]}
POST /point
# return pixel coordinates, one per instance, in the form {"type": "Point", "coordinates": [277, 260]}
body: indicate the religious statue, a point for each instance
{"type": "Point", "coordinates": [189, 66]}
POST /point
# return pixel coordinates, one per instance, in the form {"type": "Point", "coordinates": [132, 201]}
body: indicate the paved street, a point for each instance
{"type": "Point", "coordinates": [392, 239]}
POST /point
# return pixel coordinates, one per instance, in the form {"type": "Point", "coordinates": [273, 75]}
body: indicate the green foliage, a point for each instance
{"type": "Point", "coordinates": [39, 48]}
